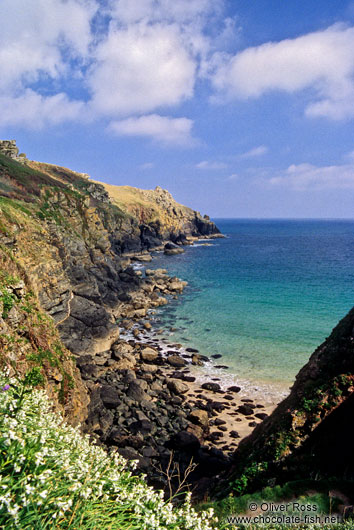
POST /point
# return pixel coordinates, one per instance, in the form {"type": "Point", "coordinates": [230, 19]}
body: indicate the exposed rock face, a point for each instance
{"type": "Point", "coordinates": [311, 430]}
{"type": "Point", "coordinates": [71, 243]}
{"type": "Point", "coordinates": [30, 343]}
{"type": "Point", "coordinates": [160, 216]}
{"type": "Point", "coordinates": [9, 148]}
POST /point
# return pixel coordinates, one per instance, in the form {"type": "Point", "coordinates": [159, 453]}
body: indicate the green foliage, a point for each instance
{"type": "Point", "coordinates": [239, 485]}
{"type": "Point", "coordinates": [42, 355]}
{"type": "Point", "coordinates": [33, 377]}
{"type": "Point", "coordinates": [52, 478]}
{"type": "Point", "coordinates": [25, 182]}
{"type": "Point", "coordinates": [7, 298]}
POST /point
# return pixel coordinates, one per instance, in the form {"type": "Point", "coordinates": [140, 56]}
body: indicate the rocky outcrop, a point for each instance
{"type": "Point", "coordinates": [76, 244]}
{"type": "Point", "coordinates": [160, 217]}
{"type": "Point", "coordinates": [9, 148]}
{"type": "Point", "coordinates": [310, 433]}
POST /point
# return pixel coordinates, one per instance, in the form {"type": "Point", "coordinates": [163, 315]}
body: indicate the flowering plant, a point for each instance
{"type": "Point", "coordinates": [53, 477]}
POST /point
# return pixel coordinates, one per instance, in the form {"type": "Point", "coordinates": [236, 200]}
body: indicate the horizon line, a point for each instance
{"type": "Point", "coordinates": [284, 218]}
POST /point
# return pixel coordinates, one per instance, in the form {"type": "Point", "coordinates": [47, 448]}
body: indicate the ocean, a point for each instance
{"type": "Point", "coordinates": [263, 298]}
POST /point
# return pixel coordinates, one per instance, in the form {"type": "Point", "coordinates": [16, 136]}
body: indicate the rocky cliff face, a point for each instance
{"type": "Point", "coordinates": [69, 239]}
{"type": "Point", "coordinates": [160, 216]}
{"type": "Point", "coordinates": [310, 433]}
{"type": "Point", "coordinates": [30, 345]}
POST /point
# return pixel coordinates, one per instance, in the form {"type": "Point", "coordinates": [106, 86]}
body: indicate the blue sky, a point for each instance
{"type": "Point", "coordinates": [240, 108]}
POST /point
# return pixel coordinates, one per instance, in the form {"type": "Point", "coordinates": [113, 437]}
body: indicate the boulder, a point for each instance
{"type": "Point", "coordinates": [176, 286]}
{"type": "Point", "coordinates": [199, 417]}
{"type": "Point", "coordinates": [234, 389]}
{"type": "Point", "coordinates": [148, 368]}
{"type": "Point", "coordinates": [185, 441]}
{"type": "Point", "coordinates": [213, 387]}
{"type": "Point", "coordinates": [172, 251]}
{"type": "Point", "coordinates": [142, 426]}
{"type": "Point", "coordinates": [177, 387]}
{"type": "Point", "coordinates": [124, 361]}
{"type": "Point", "coordinates": [246, 410]}
{"type": "Point", "coordinates": [176, 361]}
{"type": "Point", "coordinates": [171, 246]}
{"type": "Point", "coordinates": [149, 354]}
{"type": "Point", "coordinates": [122, 347]}
{"type": "Point", "coordinates": [196, 360]}
{"type": "Point", "coordinates": [261, 415]}
{"type": "Point", "coordinates": [196, 430]}
{"type": "Point", "coordinates": [110, 397]}
{"type": "Point", "coordinates": [146, 258]}
{"type": "Point", "coordinates": [136, 392]}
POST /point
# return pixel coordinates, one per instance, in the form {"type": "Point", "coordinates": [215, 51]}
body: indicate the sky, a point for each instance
{"type": "Point", "coordinates": [240, 108]}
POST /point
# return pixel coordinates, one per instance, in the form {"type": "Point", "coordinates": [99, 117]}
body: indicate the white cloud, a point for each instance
{"type": "Point", "coordinates": [140, 69]}
{"type": "Point", "coordinates": [182, 11]}
{"type": "Point", "coordinates": [233, 176]}
{"type": "Point", "coordinates": [35, 34]}
{"type": "Point", "coordinates": [304, 177]}
{"type": "Point", "coordinates": [146, 56]}
{"type": "Point", "coordinates": [322, 61]}
{"type": "Point", "coordinates": [147, 165]}
{"type": "Point", "coordinates": [39, 41]}
{"type": "Point", "coordinates": [34, 111]}
{"type": "Point", "coordinates": [152, 55]}
{"type": "Point", "coordinates": [206, 164]}
{"type": "Point", "coordinates": [350, 155]}
{"type": "Point", "coordinates": [256, 151]}
{"type": "Point", "coordinates": [176, 131]}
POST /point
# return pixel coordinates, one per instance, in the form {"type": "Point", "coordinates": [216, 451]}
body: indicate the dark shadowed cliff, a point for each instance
{"type": "Point", "coordinates": [310, 433]}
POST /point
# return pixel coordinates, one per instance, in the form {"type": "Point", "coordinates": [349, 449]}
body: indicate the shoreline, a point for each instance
{"type": "Point", "coordinates": [232, 425]}
{"type": "Point", "coordinates": [272, 392]}
{"type": "Point", "coordinates": [261, 397]}
{"type": "Point", "coordinates": [147, 400]}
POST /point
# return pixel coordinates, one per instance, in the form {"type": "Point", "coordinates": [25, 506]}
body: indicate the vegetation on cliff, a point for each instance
{"type": "Point", "coordinates": [306, 434]}
{"type": "Point", "coordinates": [30, 344]}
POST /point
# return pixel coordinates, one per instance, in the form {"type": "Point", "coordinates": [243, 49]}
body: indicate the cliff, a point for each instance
{"type": "Point", "coordinates": [310, 433]}
{"type": "Point", "coordinates": [69, 239]}
{"type": "Point", "coordinates": [164, 217]}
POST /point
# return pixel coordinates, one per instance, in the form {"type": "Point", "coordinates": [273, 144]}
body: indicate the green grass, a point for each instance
{"type": "Point", "coordinates": [24, 181]}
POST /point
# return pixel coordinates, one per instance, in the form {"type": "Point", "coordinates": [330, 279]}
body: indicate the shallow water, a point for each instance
{"type": "Point", "coordinates": [264, 298]}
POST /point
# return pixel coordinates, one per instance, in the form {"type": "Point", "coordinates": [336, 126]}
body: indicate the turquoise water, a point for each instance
{"type": "Point", "coordinates": [266, 296]}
